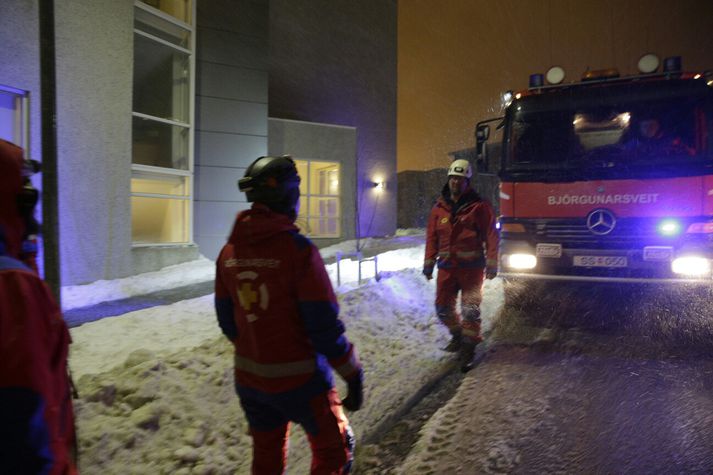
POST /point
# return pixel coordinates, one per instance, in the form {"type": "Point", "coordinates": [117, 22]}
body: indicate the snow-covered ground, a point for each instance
{"type": "Point", "coordinates": [156, 391]}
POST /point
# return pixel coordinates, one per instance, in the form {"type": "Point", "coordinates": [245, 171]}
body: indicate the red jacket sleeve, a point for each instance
{"type": "Point", "coordinates": [319, 311]}
{"type": "Point", "coordinates": [486, 223]}
{"type": "Point", "coordinates": [431, 254]}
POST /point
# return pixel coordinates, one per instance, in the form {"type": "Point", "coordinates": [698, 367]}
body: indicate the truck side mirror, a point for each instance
{"type": "Point", "coordinates": [482, 133]}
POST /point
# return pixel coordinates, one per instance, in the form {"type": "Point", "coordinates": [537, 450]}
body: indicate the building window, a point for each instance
{"type": "Point", "coordinates": [14, 107]}
{"type": "Point", "coordinates": [162, 122]}
{"type": "Point", "coordinates": [320, 210]}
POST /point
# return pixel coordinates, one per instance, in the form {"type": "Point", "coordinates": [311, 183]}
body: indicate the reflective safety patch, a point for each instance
{"type": "Point", "coordinates": [250, 292]}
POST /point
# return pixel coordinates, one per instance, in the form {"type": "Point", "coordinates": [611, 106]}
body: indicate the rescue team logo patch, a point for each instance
{"type": "Point", "coordinates": [444, 220]}
{"type": "Point", "coordinates": [251, 295]}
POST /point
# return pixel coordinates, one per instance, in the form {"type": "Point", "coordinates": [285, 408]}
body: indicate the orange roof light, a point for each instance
{"type": "Point", "coordinates": [609, 73]}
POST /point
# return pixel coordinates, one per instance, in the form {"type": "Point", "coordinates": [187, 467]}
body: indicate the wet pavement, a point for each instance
{"type": "Point", "coordinates": [78, 316]}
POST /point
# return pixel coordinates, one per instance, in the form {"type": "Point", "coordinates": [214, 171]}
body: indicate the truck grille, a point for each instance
{"type": "Point", "coordinates": [626, 233]}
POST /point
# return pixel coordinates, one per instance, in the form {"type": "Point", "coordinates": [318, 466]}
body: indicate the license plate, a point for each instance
{"type": "Point", "coordinates": [600, 261]}
{"type": "Point", "coordinates": [658, 253]}
{"type": "Point", "coordinates": [548, 250]}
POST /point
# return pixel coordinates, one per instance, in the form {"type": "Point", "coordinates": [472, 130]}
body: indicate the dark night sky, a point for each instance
{"type": "Point", "coordinates": [456, 57]}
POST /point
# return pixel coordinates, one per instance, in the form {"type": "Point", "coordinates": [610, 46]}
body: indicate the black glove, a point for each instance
{"type": "Point", "coordinates": [491, 272]}
{"type": "Point", "coordinates": [355, 392]}
{"type": "Point", "coordinates": [428, 272]}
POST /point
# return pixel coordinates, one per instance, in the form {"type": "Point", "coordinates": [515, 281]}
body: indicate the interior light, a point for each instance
{"type": "Point", "coordinates": [691, 266]}
{"type": "Point", "coordinates": [519, 95]}
{"type": "Point", "coordinates": [379, 185]}
{"type": "Point", "coordinates": [648, 63]}
{"type": "Point", "coordinates": [669, 227]}
{"type": "Point", "coordinates": [521, 261]}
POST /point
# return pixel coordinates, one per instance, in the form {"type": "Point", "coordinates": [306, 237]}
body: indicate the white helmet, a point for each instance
{"type": "Point", "coordinates": [460, 168]}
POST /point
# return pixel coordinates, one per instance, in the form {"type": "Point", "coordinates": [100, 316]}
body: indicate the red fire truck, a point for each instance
{"type": "Point", "coordinates": [609, 178]}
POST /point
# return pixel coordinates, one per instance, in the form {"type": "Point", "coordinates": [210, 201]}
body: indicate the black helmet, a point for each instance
{"type": "Point", "coordinates": [273, 181]}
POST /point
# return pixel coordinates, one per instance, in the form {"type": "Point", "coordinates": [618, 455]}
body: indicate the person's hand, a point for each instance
{"type": "Point", "coordinates": [355, 392]}
{"type": "Point", "coordinates": [428, 272]}
{"type": "Point", "coordinates": [491, 272]}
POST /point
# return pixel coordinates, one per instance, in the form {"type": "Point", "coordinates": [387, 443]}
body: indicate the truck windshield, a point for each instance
{"type": "Point", "coordinates": [625, 131]}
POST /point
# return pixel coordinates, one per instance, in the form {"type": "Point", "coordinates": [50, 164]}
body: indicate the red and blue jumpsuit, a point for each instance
{"type": "Point", "coordinates": [36, 414]}
{"type": "Point", "coordinates": [275, 303]}
{"type": "Point", "coordinates": [461, 239]}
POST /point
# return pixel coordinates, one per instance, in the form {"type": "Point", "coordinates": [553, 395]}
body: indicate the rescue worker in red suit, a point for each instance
{"type": "Point", "coordinates": [462, 241]}
{"type": "Point", "coordinates": [275, 303]}
{"type": "Point", "coordinates": [36, 415]}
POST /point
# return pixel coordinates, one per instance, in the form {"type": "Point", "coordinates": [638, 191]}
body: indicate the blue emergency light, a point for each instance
{"type": "Point", "coordinates": [669, 227]}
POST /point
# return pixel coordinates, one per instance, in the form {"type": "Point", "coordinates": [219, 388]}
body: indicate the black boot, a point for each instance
{"type": "Point", "coordinates": [465, 356]}
{"type": "Point", "coordinates": [454, 345]}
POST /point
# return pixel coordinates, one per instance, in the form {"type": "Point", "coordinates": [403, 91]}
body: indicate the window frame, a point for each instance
{"type": "Point", "coordinates": [140, 170]}
{"type": "Point", "coordinates": [306, 197]}
{"type": "Point", "coordinates": [21, 125]}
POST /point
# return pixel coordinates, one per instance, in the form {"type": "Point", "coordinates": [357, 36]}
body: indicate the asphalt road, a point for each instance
{"type": "Point", "coordinates": [577, 378]}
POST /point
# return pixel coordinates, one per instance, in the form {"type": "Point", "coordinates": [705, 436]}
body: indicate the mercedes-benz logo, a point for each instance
{"type": "Point", "coordinates": [601, 222]}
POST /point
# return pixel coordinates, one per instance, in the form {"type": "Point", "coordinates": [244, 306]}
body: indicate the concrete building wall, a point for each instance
{"type": "Point", "coordinates": [334, 62]}
{"type": "Point", "coordinates": [231, 111]}
{"type": "Point", "coordinates": [312, 141]}
{"type": "Point", "coordinates": [94, 87]}
{"type": "Point", "coordinates": [20, 58]}
{"type": "Point", "coordinates": [418, 192]}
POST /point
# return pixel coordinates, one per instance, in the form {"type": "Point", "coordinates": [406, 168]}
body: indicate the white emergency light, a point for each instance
{"type": "Point", "coordinates": [555, 75]}
{"type": "Point", "coordinates": [648, 63]}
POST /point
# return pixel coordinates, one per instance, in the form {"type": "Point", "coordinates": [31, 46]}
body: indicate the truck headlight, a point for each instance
{"type": "Point", "coordinates": [691, 266]}
{"type": "Point", "coordinates": [520, 261]}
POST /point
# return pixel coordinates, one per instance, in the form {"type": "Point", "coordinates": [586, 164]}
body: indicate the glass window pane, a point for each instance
{"type": "Point", "coordinates": [302, 171]}
{"type": "Point", "coordinates": [159, 144]}
{"type": "Point", "coordinates": [324, 178]}
{"type": "Point", "coordinates": [8, 118]}
{"type": "Point", "coordinates": [324, 227]}
{"type": "Point", "coordinates": [158, 220]}
{"type": "Point", "coordinates": [161, 28]}
{"type": "Point", "coordinates": [323, 219]}
{"type": "Point", "coordinates": [180, 9]}
{"type": "Point", "coordinates": [161, 80]}
{"type": "Point", "coordinates": [169, 185]}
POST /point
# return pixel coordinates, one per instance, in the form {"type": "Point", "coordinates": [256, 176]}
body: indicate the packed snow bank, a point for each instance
{"type": "Point", "coordinates": [203, 270]}
{"type": "Point", "coordinates": [179, 275]}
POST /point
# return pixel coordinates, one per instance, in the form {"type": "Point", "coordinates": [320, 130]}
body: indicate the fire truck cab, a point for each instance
{"type": "Point", "coordinates": [609, 178]}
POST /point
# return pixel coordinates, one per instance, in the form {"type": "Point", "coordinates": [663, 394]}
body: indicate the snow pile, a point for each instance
{"type": "Point", "coordinates": [156, 385]}
{"type": "Point", "coordinates": [149, 407]}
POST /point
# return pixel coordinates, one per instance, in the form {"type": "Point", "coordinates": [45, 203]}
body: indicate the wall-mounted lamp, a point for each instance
{"type": "Point", "coordinates": [379, 185]}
